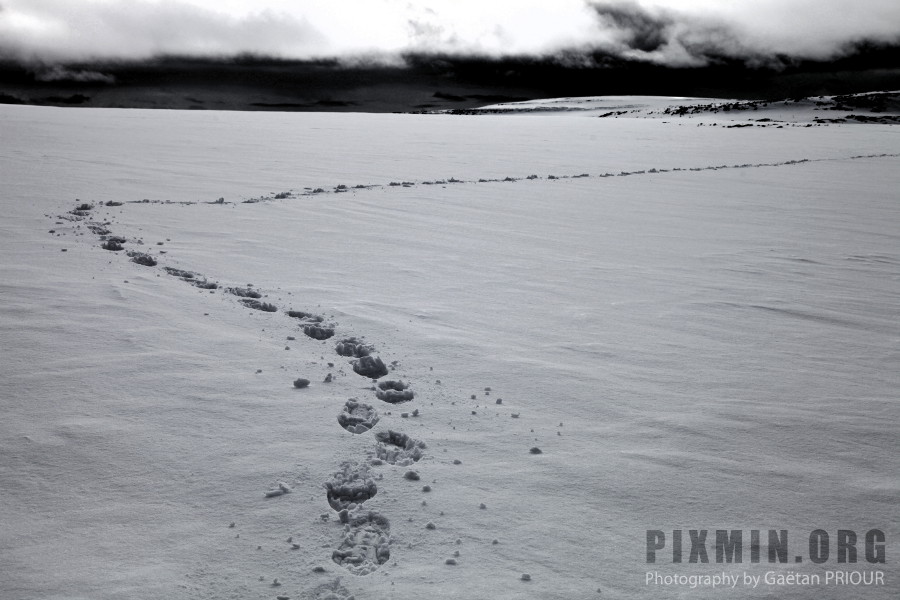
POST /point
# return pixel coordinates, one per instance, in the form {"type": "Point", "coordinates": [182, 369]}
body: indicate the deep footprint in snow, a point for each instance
{"type": "Point", "coordinates": [305, 316]}
{"type": "Point", "coordinates": [353, 347]}
{"type": "Point", "coordinates": [256, 304]}
{"type": "Point", "coordinates": [244, 292]}
{"type": "Point", "coordinates": [318, 332]}
{"type": "Point", "coordinates": [350, 487]}
{"type": "Point", "coordinates": [82, 210]}
{"type": "Point", "coordinates": [370, 366]}
{"type": "Point", "coordinates": [357, 417]}
{"type": "Point", "coordinates": [98, 229]}
{"type": "Point", "coordinates": [142, 258]}
{"type": "Point", "coordinates": [397, 448]}
{"type": "Point", "coordinates": [366, 543]}
{"type": "Point", "coordinates": [203, 284]}
{"type": "Point", "coordinates": [313, 324]}
{"type": "Point", "coordinates": [192, 278]}
{"type": "Point", "coordinates": [394, 392]}
{"type": "Point", "coordinates": [330, 591]}
{"type": "Point", "coordinates": [112, 245]}
{"type": "Point", "coordinates": [185, 275]}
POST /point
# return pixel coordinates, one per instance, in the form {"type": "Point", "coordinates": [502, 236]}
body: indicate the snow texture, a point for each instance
{"type": "Point", "coordinates": [703, 292]}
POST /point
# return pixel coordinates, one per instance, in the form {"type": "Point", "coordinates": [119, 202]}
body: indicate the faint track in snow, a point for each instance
{"type": "Point", "coordinates": [365, 543]}
{"type": "Point", "coordinates": [341, 189]}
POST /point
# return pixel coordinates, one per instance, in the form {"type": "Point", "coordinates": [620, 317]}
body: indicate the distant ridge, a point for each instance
{"type": "Point", "coordinates": [425, 82]}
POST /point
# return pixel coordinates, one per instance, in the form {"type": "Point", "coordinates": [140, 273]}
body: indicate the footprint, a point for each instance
{"type": "Point", "coordinates": [305, 316]}
{"type": "Point", "coordinates": [192, 278]}
{"type": "Point", "coordinates": [353, 347]}
{"type": "Point", "coordinates": [398, 448]}
{"type": "Point", "coordinates": [357, 417]}
{"type": "Point", "coordinates": [203, 284]}
{"type": "Point", "coordinates": [256, 304]}
{"type": "Point", "coordinates": [370, 366]}
{"type": "Point", "coordinates": [112, 245]}
{"type": "Point", "coordinates": [350, 487]}
{"type": "Point", "coordinates": [318, 332]}
{"type": "Point", "coordinates": [244, 292]}
{"type": "Point", "coordinates": [142, 259]}
{"type": "Point", "coordinates": [186, 275]}
{"type": "Point", "coordinates": [394, 392]}
{"type": "Point", "coordinates": [330, 591]}
{"type": "Point", "coordinates": [366, 543]}
{"type": "Point", "coordinates": [98, 229]}
{"type": "Point", "coordinates": [312, 326]}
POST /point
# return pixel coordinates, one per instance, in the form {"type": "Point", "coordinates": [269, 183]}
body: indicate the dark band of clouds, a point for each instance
{"type": "Point", "coordinates": [763, 33]}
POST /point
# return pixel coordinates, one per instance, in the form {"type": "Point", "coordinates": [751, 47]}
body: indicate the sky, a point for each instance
{"type": "Point", "coordinates": [667, 32]}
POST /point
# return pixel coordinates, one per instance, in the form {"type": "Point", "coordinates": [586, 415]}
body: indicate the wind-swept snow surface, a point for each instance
{"type": "Point", "coordinates": [610, 326]}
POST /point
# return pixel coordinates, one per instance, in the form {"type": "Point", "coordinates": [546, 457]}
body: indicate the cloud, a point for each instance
{"type": "Point", "coordinates": [663, 32]}
{"type": "Point", "coordinates": [62, 74]}
{"type": "Point", "coordinates": [635, 27]}
{"type": "Point", "coordinates": [61, 30]}
{"type": "Point", "coordinates": [631, 31]}
{"type": "Point", "coordinates": [762, 33]}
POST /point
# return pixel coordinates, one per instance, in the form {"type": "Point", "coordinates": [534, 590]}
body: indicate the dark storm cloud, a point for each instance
{"type": "Point", "coordinates": [700, 32]}
{"type": "Point", "coordinates": [674, 39]}
{"type": "Point", "coordinates": [758, 36]}
{"type": "Point", "coordinates": [636, 27]}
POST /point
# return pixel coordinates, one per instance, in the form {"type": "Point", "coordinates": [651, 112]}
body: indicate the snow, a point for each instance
{"type": "Point", "coordinates": [701, 333]}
